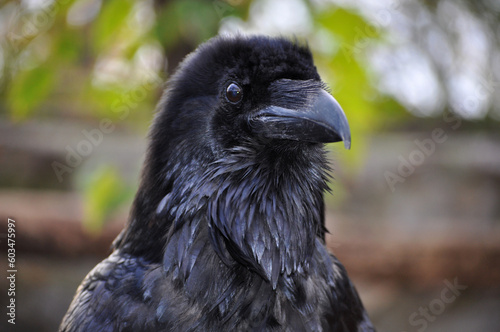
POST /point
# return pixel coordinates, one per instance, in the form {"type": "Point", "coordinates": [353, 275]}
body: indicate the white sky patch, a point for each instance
{"type": "Point", "coordinates": [407, 75]}
{"type": "Point", "coordinates": [36, 4]}
{"type": "Point", "coordinates": [148, 60]}
{"type": "Point", "coordinates": [325, 42]}
{"type": "Point", "coordinates": [83, 12]}
{"type": "Point", "coordinates": [473, 46]}
{"type": "Point", "coordinates": [110, 70]}
{"type": "Point", "coordinates": [232, 25]}
{"type": "Point", "coordinates": [469, 96]}
{"type": "Point", "coordinates": [439, 48]}
{"type": "Point", "coordinates": [143, 16]}
{"type": "Point", "coordinates": [272, 17]}
{"type": "Point", "coordinates": [281, 16]}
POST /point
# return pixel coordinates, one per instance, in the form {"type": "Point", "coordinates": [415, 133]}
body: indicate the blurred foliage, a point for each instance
{"type": "Point", "coordinates": [61, 53]}
{"type": "Point", "coordinates": [104, 192]}
{"type": "Point", "coordinates": [34, 85]}
{"type": "Point", "coordinates": [347, 74]}
{"type": "Point", "coordinates": [89, 59]}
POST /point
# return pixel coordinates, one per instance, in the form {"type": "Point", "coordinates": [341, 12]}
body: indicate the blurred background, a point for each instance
{"type": "Point", "coordinates": [415, 210]}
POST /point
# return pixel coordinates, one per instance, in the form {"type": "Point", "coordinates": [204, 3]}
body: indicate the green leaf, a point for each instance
{"type": "Point", "coordinates": [351, 27]}
{"type": "Point", "coordinates": [109, 22]}
{"type": "Point", "coordinates": [69, 46]}
{"type": "Point", "coordinates": [28, 90]}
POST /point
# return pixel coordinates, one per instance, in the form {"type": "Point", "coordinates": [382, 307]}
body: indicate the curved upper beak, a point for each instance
{"type": "Point", "coordinates": [322, 121]}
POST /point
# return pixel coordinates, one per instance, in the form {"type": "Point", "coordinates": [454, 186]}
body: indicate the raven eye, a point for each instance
{"type": "Point", "coordinates": [234, 93]}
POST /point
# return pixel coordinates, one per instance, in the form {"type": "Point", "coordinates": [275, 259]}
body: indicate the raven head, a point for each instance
{"type": "Point", "coordinates": [263, 90]}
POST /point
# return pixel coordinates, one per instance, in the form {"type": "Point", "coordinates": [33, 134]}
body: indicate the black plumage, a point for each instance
{"type": "Point", "coordinates": [227, 228]}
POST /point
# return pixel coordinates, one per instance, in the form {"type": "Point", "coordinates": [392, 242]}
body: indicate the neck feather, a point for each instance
{"type": "Point", "coordinates": [258, 208]}
{"type": "Point", "coordinates": [264, 211]}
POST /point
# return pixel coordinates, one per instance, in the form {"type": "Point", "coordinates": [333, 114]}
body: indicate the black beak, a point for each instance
{"type": "Point", "coordinates": [323, 121]}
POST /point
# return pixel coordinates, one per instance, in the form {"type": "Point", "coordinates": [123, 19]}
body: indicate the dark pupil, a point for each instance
{"type": "Point", "coordinates": [233, 93]}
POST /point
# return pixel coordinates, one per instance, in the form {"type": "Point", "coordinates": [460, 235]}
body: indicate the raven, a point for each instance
{"type": "Point", "coordinates": [226, 232]}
